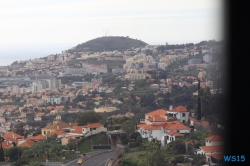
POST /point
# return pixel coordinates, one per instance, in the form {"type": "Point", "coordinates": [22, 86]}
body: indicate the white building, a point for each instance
{"type": "Point", "coordinates": [180, 113]}
{"type": "Point", "coordinates": [208, 58]}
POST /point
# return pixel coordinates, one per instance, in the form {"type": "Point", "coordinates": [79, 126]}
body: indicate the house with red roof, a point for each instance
{"type": "Point", "coordinates": [158, 114]}
{"type": "Point", "coordinates": [172, 136]}
{"type": "Point", "coordinates": [27, 143]}
{"type": "Point", "coordinates": [36, 138]}
{"type": "Point", "coordinates": [179, 112]}
{"type": "Point", "coordinates": [213, 150]}
{"type": "Point", "coordinates": [11, 137]}
{"type": "Point", "coordinates": [214, 140]}
{"type": "Point", "coordinates": [160, 131]}
{"type": "Point", "coordinates": [93, 128]}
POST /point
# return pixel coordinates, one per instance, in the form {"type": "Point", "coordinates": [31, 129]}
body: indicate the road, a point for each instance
{"type": "Point", "coordinates": [74, 162]}
{"type": "Point", "coordinates": [99, 160]}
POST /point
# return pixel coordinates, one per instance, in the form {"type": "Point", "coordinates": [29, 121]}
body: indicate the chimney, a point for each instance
{"type": "Point", "coordinates": [153, 119]}
{"type": "Point", "coordinates": [57, 127]}
{"type": "Point", "coordinates": [170, 107]}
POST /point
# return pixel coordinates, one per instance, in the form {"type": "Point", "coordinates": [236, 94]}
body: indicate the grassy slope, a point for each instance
{"type": "Point", "coordinates": [85, 145]}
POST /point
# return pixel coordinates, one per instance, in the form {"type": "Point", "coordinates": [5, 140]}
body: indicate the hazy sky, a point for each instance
{"type": "Point", "coordinates": [40, 27]}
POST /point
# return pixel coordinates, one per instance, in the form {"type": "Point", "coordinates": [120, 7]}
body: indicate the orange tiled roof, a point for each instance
{"type": "Point", "coordinates": [27, 143]}
{"type": "Point", "coordinates": [179, 109]}
{"type": "Point", "coordinates": [174, 133]}
{"type": "Point", "coordinates": [12, 135]}
{"type": "Point", "coordinates": [36, 138]}
{"type": "Point", "coordinates": [218, 148]}
{"type": "Point", "coordinates": [6, 144]}
{"type": "Point", "coordinates": [157, 112]}
{"type": "Point", "coordinates": [92, 125]}
{"type": "Point", "coordinates": [57, 132]}
{"type": "Point", "coordinates": [156, 118]}
{"type": "Point", "coordinates": [150, 126]}
{"type": "Point", "coordinates": [175, 126]}
{"type": "Point", "coordinates": [214, 138]}
{"type": "Point", "coordinates": [77, 129]}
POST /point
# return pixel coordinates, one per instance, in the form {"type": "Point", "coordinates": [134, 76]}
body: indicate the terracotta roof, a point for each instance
{"type": "Point", "coordinates": [27, 143]}
{"type": "Point", "coordinates": [6, 144]}
{"type": "Point", "coordinates": [11, 136]}
{"type": "Point", "coordinates": [57, 132]}
{"type": "Point", "coordinates": [77, 129]}
{"type": "Point", "coordinates": [157, 112]}
{"type": "Point", "coordinates": [218, 148]}
{"type": "Point", "coordinates": [151, 127]}
{"type": "Point", "coordinates": [92, 125]}
{"type": "Point", "coordinates": [214, 138]}
{"type": "Point", "coordinates": [179, 109]}
{"type": "Point", "coordinates": [156, 118]}
{"type": "Point", "coordinates": [175, 126]}
{"type": "Point", "coordinates": [36, 138]}
{"type": "Point", "coordinates": [174, 133]}
{"type": "Point", "coordinates": [60, 125]}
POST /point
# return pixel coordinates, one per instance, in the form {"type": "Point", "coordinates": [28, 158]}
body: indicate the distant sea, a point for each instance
{"type": "Point", "coordinates": [15, 53]}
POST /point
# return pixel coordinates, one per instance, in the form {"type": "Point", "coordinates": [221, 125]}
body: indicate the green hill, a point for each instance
{"type": "Point", "coordinates": [110, 43]}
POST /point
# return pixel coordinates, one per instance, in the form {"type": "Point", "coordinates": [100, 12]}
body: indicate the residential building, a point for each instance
{"type": "Point", "coordinates": [208, 58]}
{"type": "Point", "coordinates": [194, 61]}
{"type": "Point", "coordinates": [57, 125]}
{"type": "Point", "coordinates": [180, 113]}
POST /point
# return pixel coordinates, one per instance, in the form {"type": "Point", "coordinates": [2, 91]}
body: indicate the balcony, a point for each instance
{"type": "Point", "coordinates": [142, 120]}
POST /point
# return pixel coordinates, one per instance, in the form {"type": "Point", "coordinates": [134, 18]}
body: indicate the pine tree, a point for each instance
{"type": "Point", "coordinates": [199, 103]}
{"type": "Point", "coordinates": [1, 149]}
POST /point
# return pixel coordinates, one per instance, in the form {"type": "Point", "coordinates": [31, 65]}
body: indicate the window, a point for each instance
{"type": "Point", "coordinates": [183, 121]}
{"type": "Point", "coordinates": [167, 137]}
{"type": "Point", "coordinates": [183, 114]}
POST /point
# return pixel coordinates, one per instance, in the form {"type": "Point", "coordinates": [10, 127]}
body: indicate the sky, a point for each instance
{"type": "Point", "coordinates": [36, 28]}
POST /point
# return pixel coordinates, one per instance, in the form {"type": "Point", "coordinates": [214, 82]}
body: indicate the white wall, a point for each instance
{"type": "Point", "coordinates": [213, 143]}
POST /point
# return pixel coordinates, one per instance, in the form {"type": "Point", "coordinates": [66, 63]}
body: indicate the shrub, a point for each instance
{"type": "Point", "coordinates": [126, 149]}
{"type": "Point", "coordinates": [132, 145]}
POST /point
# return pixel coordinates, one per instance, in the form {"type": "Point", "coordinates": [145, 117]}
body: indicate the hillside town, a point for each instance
{"type": "Point", "coordinates": [156, 87]}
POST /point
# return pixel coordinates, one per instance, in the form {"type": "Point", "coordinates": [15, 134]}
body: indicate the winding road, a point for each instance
{"type": "Point", "coordinates": [97, 158]}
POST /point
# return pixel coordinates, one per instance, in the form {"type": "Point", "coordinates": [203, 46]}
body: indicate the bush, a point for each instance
{"type": "Point", "coordinates": [132, 145]}
{"type": "Point", "coordinates": [179, 159]}
{"type": "Point", "coordinates": [126, 149]}
{"type": "Point", "coordinates": [21, 162]}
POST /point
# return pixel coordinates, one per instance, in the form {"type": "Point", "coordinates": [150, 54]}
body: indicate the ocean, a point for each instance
{"type": "Point", "coordinates": [15, 53]}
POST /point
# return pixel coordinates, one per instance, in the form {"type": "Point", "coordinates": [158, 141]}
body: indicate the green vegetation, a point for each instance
{"type": "Point", "coordinates": [108, 44]}
{"type": "Point", "coordinates": [85, 145]}
{"type": "Point", "coordinates": [88, 117]}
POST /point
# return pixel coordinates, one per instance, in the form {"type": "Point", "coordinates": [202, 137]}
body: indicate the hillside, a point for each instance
{"type": "Point", "coordinates": [110, 43]}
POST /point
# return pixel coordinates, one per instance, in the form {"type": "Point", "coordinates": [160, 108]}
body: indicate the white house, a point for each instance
{"type": "Point", "coordinates": [160, 131]}
{"type": "Point", "coordinates": [94, 128]}
{"type": "Point", "coordinates": [172, 136]}
{"type": "Point", "coordinates": [38, 118]}
{"type": "Point", "coordinates": [214, 147]}
{"type": "Point", "coordinates": [180, 113]}
{"type": "Point", "coordinates": [214, 140]}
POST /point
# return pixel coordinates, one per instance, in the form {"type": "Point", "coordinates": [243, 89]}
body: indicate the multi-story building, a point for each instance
{"type": "Point", "coordinates": [208, 58]}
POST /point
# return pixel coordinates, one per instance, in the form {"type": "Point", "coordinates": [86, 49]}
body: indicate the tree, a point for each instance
{"type": "Point", "coordinates": [20, 129]}
{"type": "Point", "coordinates": [87, 117]}
{"type": "Point", "coordinates": [128, 127]}
{"type": "Point", "coordinates": [199, 102]}
{"type": "Point", "coordinates": [1, 149]}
